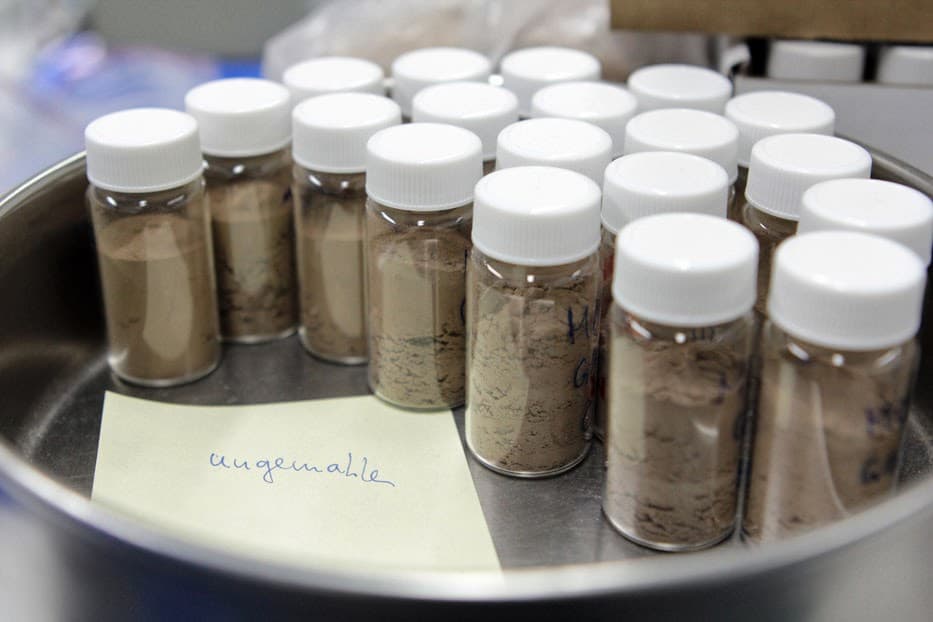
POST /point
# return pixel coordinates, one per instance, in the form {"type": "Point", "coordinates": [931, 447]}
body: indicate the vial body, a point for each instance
{"type": "Point", "coordinates": [157, 275]}
{"type": "Point", "coordinates": [737, 195]}
{"type": "Point", "coordinates": [415, 288]}
{"type": "Point", "coordinates": [828, 433]}
{"type": "Point", "coordinates": [253, 234]}
{"type": "Point", "coordinates": [677, 399]}
{"type": "Point", "coordinates": [607, 253]}
{"type": "Point", "coordinates": [533, 335]}
{"type": "Point", "coordinates": [489, 166]}
{"type": "Point", "coordinates": [330, 211]}
{"type": "Point", "coordinates": [769, 231]}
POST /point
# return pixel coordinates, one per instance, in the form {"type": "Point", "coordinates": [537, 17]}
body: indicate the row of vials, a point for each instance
{"type": "Point", "coordinates": [549, 272]}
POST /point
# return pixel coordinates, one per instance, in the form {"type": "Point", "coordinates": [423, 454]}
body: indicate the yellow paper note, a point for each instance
{"type": "Point", "coordinates": [348, 481]}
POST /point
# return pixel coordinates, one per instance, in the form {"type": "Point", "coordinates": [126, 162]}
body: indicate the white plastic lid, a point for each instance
{"type": "Point", "coordinates": [685, 269]}
{"type": "Point", "coordinates": [333, 74]}
{"type": "Point", "coordinates": [680, 86]}
{"type": "Point", "coordinates": [331, 131]}
{"type": "Point", "coordinates": [604, 105]}
{"type": "Point", "coordinates": [846, 290]}
{"type": "Point", "coordinates": [767, 113]}
{"type": "Point", "coordinates": [565, 143]}
{"type": "Point", "coordinates": [423, 167]}
{"type": "Point", "coordinates": [906, 64]}
{"type": "Point", "coordinates": [526, 71]}
{"type": "Point", "coordinates": [816, 60]}
{"type": "Point", "coordinates": [655, 182]}
{"type": "Point", "coordinates": [413, 71]}
{"type": "Point", "coordinates": [873, 206]}
{"type": "Point", "coordinates": [481, 108]}
{"type": "Point", "coordinates": [699, 132]}
{"type": "Point", "coordinates": [783, 167]}
{"type": "Point", "coordinates": [241, 116]}
{"type": "Point", "coordinates": [143, 150]}
{"type": "Point", "coordinates": [536, 216]}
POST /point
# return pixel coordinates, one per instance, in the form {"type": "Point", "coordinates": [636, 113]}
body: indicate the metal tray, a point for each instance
{"type": "Point", "coordinates": [559, 554]}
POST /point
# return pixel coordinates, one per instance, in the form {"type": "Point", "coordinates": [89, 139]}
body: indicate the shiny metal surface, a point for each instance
{"type": "Point", "coordinates": [78, 560]}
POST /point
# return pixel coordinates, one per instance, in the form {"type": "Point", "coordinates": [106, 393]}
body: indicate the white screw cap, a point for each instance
{"type": "Point", "coordinates": [526, 71]}
{"type": "Point", "coordinates": [536, 216]}
{"type": "Point", "coordinates": [241, 116]}
{"type": "Point", "coordinates": [604, 105]}
{"type": "Point", "coordinates": [481, 108]}
{"type": "Point", "coordinates": [783, 167]}
{"type": "Point", "coordinates": [565, 143]}
{"type": "Point", "coordinates": [415, 70]}
{"type": "Point", "coordinates": [815, 60]}
{"type": "Point", "coordinates": [331, 131]}
{"type": "Point", "coordinates": [699, 132]}
{"type": "Point", "coordinates": [333, 74]}
{"type": "Point", "coordinates": [685, 269]}
{"type": "Point", "coordinates": [907, 65]}
{"type": "Point", "coordinates": [882, 208]}
{"type": "Point", "coordinates": [655, 182]}
{"type": "Point", "coordinates": [846, 290]}
{"type": "Point", "coordinates": [680, 86]}
{"type": "Point", "coordinates": [768, 113]}
{"type": "Point", "coordinates": [423, 167]}
{"type": "Point", "coordinates": [143, 150]}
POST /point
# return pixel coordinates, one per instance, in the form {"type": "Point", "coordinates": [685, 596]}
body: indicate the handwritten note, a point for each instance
{"type": "Point", "coordinates": [341, 481]}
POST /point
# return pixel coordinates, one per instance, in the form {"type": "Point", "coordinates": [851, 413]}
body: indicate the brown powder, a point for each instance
{"type": "Point", "coordinates": [253, 234]}
{"type": "Point", "coordinates": [532, 348]}
{"type": "Point", "coordinates": [607, 268]}
{"type": "Point", "coordinates": [769, 231]}
{"type": "Point", "coordinates": [159, 294]}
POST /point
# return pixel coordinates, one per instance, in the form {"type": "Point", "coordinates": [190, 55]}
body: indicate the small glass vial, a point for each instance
{"type": "Point", "coordinates": [152, 228]}
{"type": "Point", "coordinates": [698, 132]}
{"type": "Point", "coordinates": [245, 133]}
{"type": "Point", "coordinates": [781, 169]}
{"type": "Point", "coordinates": [564, 143]}
{"type": "Point", "coordinates": [532, 320]}
{"type": "Point", "coordinates": [768, 113]}
{"type": "Point", "coordinates": [681, 341]}
{"type": "Point", "coordinates": [906, 65]}
{"type": "Point", "coordinates": [820, 61]}
{"type": "Point", "coordinates": [333, 74]}
{"type": "Point", "coordinates": [606, 106]}
{"type": "Point", "coordinates": [881, 208]}
{"type": "Point", "coordinates": [838, 360]}
{"type": "Point", "coordinates": [419, 214]}
{"type": "Point", "coordinates": [679, 86]}
{"type": "Point", "coordinates": [329, 148]}
{"type": "Point", "coordinates": [639, 185]}
{"type": "Point", "coordinates": [418, 69]}
{"type": "Point", "coordinates": [481, 108]}
{"type": "Point", "coordinates": [525, 72]}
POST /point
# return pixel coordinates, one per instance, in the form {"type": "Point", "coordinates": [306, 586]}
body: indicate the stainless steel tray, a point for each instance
{"type": "Point", "coordinates": [560, 555]}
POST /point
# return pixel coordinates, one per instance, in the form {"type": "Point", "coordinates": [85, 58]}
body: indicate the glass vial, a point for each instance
{"type": "Point", "coordinates": [606, 106]}
{"type": "Point", "coordinates": [481, 108]}
{"type": "Point", "coordinates": [768, 113]}
{"type": "Point", "coordinates": [532, 320]}
{"type": "Point", "coordinates": [419, 180]}
{"type": "Point", "coordinates": [781, 169]}
{"type": "Point", "coordinates": [418, 69]}
{"type": "Point", "coordinates": [333, 74]}
{"type": "Point", "coordinates": [525, 72]}
{"type": "Point", "coordinates": [151, 224]}
{"type": "Point", "coordinates": [679, 86]}
{"type": "Point", "coordinates": [245, 132]}
{"type": "Point", "coordinates": [838, 361]}
{"type": "Point", "coordinates": [639, 185]}
{"type": "Point", "coordinates": [820, 61]}
{"type": "Point", "coordinates": [329, 148]}
{"type": "Point", "coordinates": [565, 143]}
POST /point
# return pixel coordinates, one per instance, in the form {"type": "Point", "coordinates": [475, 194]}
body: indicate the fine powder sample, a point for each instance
{"type": "Point", "coordinates": [826, 445]}
{"type": "Point", "coordinates": [253, 232]}
{"type": "Point", "coordinates": [607, 268]}
{"type": "Point", "coordinates": [159, 293]}
{"type": "Point", "coordinates": [417, 284]}
{"type": "Point", "coordinates": [674, 438]}
{"type": "Point", "coordinates": [532, 349]}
